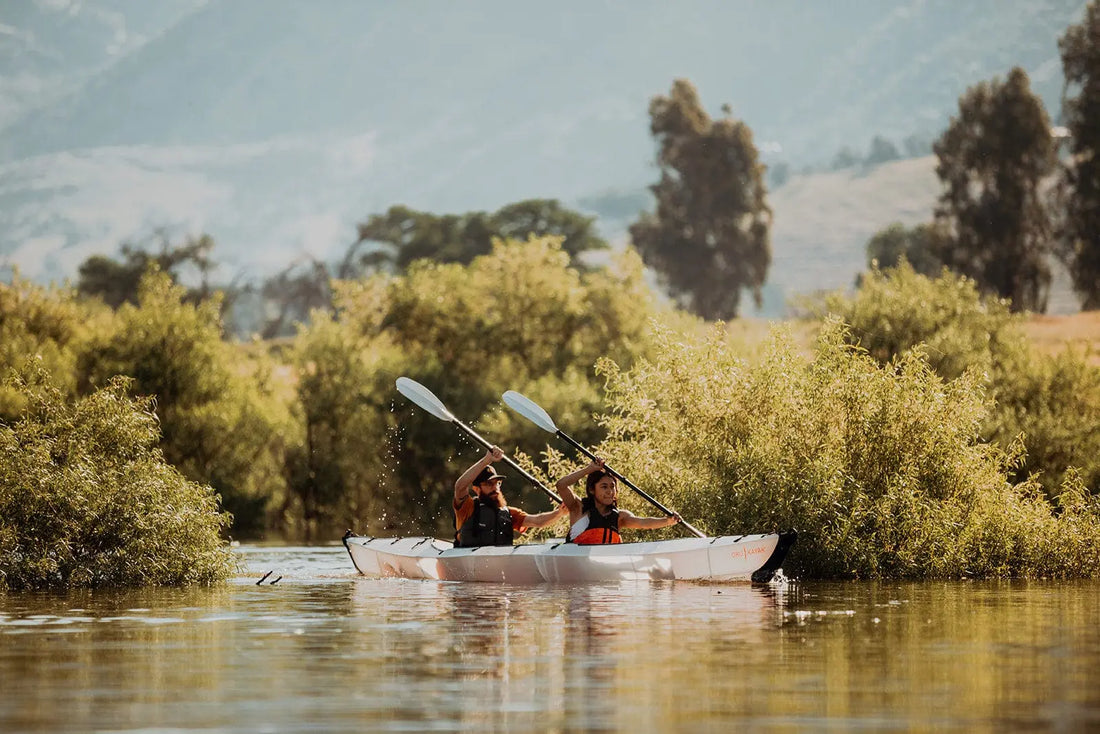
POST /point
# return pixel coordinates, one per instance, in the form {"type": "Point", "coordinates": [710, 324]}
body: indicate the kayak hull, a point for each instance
{"type": "Point", "coordinates": [725, 558]}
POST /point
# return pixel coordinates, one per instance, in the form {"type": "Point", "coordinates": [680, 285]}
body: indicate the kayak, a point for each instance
{"type": "Point", "coordinates": [727, 558]}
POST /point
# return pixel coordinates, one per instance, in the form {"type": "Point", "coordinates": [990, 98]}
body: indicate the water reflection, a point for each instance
{"type": "Point", "coordinates": [968, 654]}
{"type": "Point", "coordinates": [328, 650]}
{"type": "Point", "coordinates": [564, 657]}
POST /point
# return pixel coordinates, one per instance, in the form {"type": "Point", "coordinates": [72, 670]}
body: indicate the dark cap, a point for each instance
{"type": "Point", "coordinates": [487, 474]}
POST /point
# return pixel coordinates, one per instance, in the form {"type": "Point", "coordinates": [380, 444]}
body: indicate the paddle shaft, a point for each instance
{"type": "Point", "coordinates": [473, 434]}
{"type": "Point", "coordinates": [628, 483]}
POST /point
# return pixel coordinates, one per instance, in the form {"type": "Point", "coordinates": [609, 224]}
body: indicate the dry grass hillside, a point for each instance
{"type": "Point", "coordinates": [1079, 330]}
{"type": "Point", "coordinates": [1052, 334]}
{"type": "Point", "coordinates": [823, 221]}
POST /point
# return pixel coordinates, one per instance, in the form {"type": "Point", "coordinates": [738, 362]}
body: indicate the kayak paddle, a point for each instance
{"type": "Point", "coordinates": [424, 397]}
{"type": "Point", "coordinates": [531, 410]}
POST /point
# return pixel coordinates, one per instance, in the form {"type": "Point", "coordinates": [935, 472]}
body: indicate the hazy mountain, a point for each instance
{"type": "Point", "coordinates": [275, 126]}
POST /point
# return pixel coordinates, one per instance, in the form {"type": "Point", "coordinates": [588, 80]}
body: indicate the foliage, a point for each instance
{"type": "Point", "coordinates": [1052, 404]}
{"type": "Point", "coordinates": [879, 467]}
{"type": "Point", "coordinates": [844, 158]}
{"type": "Point", "coordinates": [116, 283]}
{"type": "Point", "coordinates": [87, 499]}
{"type": "Point", "coordinates": [993, 158]}
{"type": "Point", "coordinates": [898, 310]}
{"type": "Point", "coordinates": [881, 151]}
{"type": "Point", "coordinates": [709, 237]}
{"type": "Point", "coordinates": [917, 245]}
{"type": "Point", "coordinates": [1049, 403]}
{"type": "Point", "coordinates": [401, 236]}
{"type": "Point", "coordinates": [1080, 49]}
{"type": "Point", "coordinates": [520, 318]}
{"type": "Point", "coordinates": [40, 324]}
{"type": "Point", "coordinates": [221, 426]}
{"type": "Point", "coordinates": [343, 392]}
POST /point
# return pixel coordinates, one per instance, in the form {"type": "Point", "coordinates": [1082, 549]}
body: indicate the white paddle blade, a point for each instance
{"type": "Point", "coordinates": [529, 410]}
{"type": "Point", "coordinates": [423, 397]}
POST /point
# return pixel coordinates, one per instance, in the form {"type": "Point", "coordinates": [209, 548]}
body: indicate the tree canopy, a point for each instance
{"type": "Point", "coordinates": [709, 238]}
{"type": "Point", "coordinates": [117, 281]}
{"type": "Point", "coordinates": [918, 246]}
{"type": "Point", "coordinates": [1080, 48]}
{"type": "Point", "coordinates": [205, 392]}
{"type": "Point", "coordinates": [993, 158]}
{"type": "Point", "coordinates": [394, 240]}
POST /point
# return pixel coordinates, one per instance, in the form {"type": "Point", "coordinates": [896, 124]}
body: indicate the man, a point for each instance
{"type": "Point", "coordinates": [483, 517]}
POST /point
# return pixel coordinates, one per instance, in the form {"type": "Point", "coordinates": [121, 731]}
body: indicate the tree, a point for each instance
{"type": "Point", "coordinates": [918, 246]}
{"type": "Point", "coordinates": [220, 423]}
{"type": "Point", "coordinates": [882, 151]}
{"type": "Point", "coordinates": [117, 282]}
{"type": "Point", "coordinates": [293, 294]}
{"type": "Point", "coordinates": [522, 317]}
{"type": "Point", "coordinates": [709, 237]}
{"type": "Point", "coordinates": [917, 145]}
{"type": "Point", "coordinates": [993, 157]}
{"type": "Point", "coordinates": [844, 158]}
{"type": "Point", "coordinates": [399, 237]}
{"type": "Point", "coordinates": [1080, 49]}
{"type": "Point", "coordinates": [343, 389]}
{"type": "Point", "coordinates": [46, 326]}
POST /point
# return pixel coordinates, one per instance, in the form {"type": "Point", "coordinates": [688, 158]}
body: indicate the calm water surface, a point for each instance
{"type": "Point", "coordinates": [326, 650]}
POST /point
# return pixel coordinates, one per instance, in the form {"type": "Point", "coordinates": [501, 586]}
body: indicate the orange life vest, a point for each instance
{"type": "Point", "coordinates": [601, 530]}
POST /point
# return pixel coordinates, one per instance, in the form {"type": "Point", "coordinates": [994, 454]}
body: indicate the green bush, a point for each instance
{"type": "Point", "coordinates": [1052, 404]}
{"type": "Point", "coordinates": [221, 423]}
{"type": "Point", "coordinates": [897, 309]}
{"type": "Point", "coordinates": [87, 499]}
{"type": "Point", "coordinates": [337, 473]}
{"type": "Point", "coordinates": [521, 317]}
{"type": "Point", "coordinates": [1049, 402]}
{"type": "Point", "coordinates": [44, 325]}
{"type": "Point", "coordinates": [880, 467]}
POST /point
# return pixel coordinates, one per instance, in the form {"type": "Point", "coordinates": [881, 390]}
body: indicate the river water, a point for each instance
{"type": "Point", "coordinates": [324, 649]}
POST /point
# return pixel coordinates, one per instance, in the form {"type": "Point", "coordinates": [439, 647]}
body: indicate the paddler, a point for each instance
{"type": "Point", "coordinates": [597, 519]}
{"type": "Point", "coordinates": [482, 517]}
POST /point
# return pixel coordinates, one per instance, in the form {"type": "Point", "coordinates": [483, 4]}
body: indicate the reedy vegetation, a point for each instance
{"type": "Point", "coordinates": [893, 458]}
{"type": "Point", "coordinates": [880, 467]}
{"type": "Point", "coordinates": [87, 499]}
{"type": "Point", "coordinates": [1049, 403]}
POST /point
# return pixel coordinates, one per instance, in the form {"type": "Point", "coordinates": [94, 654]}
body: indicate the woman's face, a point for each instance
{"type": "Point", "coordinates": [606, 490]}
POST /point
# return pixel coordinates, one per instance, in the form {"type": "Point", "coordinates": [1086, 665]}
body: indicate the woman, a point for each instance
{"type": "Point", "coordinates": [597, 519]}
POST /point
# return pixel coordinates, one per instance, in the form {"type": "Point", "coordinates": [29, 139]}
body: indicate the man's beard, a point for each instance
{"type": "Point", "coordinates": [494, 498]}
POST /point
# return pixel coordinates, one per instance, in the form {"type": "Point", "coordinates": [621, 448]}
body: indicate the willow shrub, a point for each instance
{"type": "Point", "coordinates": [879, 468]}
{"type": "Point", "coordinates": [1050, 402]}
{"type": "Point", "coordinates": [521, 317]}
{"type": "Point", "coordinates": [87, 499]}
{"type": "Point", "coordinates": [221, 422]}
{"type": "Point", "coordinates": [45, 325]}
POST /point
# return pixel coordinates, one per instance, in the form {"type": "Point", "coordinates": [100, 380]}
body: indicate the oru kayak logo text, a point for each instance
{"type": "Point", "coordinates": [745, 551]}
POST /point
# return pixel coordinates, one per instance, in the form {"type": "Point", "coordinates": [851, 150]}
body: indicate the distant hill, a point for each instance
{"type": "Point", "coordinates": [275, 125]}
{"type": "Point", "coordinates": [822, 222]}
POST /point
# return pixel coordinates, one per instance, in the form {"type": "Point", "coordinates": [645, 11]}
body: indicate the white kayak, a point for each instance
{"type": "Point", "coordinates": [726, 558]}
